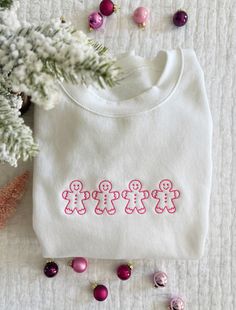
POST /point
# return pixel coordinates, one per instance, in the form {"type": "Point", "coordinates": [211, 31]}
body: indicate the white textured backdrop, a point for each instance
{"type": "Point", "coordinates": [206, 284]}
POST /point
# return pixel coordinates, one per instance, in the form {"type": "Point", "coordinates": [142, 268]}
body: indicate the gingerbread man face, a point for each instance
{"type": "Point", "coordinates": [76, 186]}
{"type": "Point", "coordinates": [166, 185]}
{"type": "Point", "coordinates": [135, 185]}
{"type": "Point", "coordinates": [105, 186]}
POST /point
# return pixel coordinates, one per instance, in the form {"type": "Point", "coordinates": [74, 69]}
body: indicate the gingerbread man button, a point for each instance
{"type": "Point", "coordinates": [165, 196]}
{"type": "Point", "coordinates": [75, 197]}
{"type": "Point", "coordinates": [135, 196]}
{"type": "Point", "coordinates": [105, 198]}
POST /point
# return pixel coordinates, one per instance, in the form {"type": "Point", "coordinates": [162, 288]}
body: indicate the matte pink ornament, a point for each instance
{"type": "Point", "coordinates": [100, 292]}
{"type": "Point", "coordinates": [140, 16]}
{"type": "Point", "coordinates": [95, 20]}
{"type": "Point", "coordinates": [160, 279]}
{"type": "Point", "coordinates": [79, 264]}
{"type": "Point", "coordinates": [176, 303]}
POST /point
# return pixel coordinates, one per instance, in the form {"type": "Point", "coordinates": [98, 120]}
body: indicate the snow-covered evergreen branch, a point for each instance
{"type": "Point", "coordinates": [16, 138]}
{"type": "Point", "coordinates": [32, 59]}
{"type": "Point", "coordinates": [34, 56]}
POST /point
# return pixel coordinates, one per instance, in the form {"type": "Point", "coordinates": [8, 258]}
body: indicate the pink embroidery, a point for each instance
{"type": "Point", "coordinates": [75, 197]}
{"type": "Point", "coordinates": [135, 196]}
{"type": "Point", "coordinates": [165, 196]}
{"type": "Point", "coordinates": [105, 197]}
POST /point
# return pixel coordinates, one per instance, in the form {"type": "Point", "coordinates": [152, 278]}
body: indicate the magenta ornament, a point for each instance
{"type": "Point", "coordinates": [124, 271]}
{"type": "Point", "coordinates": [79, 264]}
{"type": "Point", "coordinates": [50, 269]}
{"type": "Point", "coordinates": [160, 279]}
{"type": "Point", "coordinates": [95, 20]}
{"type": "Point", "coordinates": [176, 303]}
{"type": "Point", "coordinates": [107, 7]}
{"type": "Point", "coordinates": [100, 292]}
{"type": "Point", "coordinates": [140, 16]}
{"type": "Point", "coordinates": [180, 18]}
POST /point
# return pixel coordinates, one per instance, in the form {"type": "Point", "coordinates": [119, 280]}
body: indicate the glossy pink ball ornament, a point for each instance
{"type": "Point", "coordinates": [95, 20]}
{"type": "Point", "coordinates": [160, 279]}
{"type": "Point", "coordinates": [107, 7]}
{"type": "Point", "coordinates": [124, 271]}
{"type": "Point", "coordinates": [176, 303]}
{"type": "Point", "coordinates": [100, 292]}
{"type": "Point", "coordinates": [140, 16]}
{"type": "Point", "coordinates": [79, 264]}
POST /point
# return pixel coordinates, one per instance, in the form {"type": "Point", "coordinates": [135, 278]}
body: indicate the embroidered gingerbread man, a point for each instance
{"type": "Point", "coordinates": [75, 197]}
{"type": "Point", "coordinates": [105, 197]}
{"type": "Point", "coordinates": [135, 196]}
{"type": "Point", "coordinates": [165, 196]}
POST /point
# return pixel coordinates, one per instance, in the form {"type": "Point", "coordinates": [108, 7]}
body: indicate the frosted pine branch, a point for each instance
{"type": "Point", "coordinates": [16, 138]}
{"type": "Point", "coordinates": [32, 60]}
{"type": "Point", "coordinates": [35, 56]}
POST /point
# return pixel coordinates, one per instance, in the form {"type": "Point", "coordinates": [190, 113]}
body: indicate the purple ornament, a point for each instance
{"type": "Point", "coordinates": [95, 20]}
{"type": "Point", "coordinates": [50, 269]}
{"type": "Point", "coordinates": [100, 292]}
{"type": "Point", "coordinates": [180, 18]}
{"type": "Point", "coordinates": [124, 272]}
{"type": "Point", "coordinates": [176, 303]}
{"type": "Point", "coordinates": [79, 264]}
{"type": "Point", "coordinates": [160, 279]}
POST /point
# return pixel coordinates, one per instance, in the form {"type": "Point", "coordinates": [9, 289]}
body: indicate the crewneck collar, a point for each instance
{"type": "Point", "coordinates": [102, 102]}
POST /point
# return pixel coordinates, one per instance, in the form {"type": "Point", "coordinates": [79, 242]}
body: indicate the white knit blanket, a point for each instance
{"type": "Point", "coordinates": [206, 284]}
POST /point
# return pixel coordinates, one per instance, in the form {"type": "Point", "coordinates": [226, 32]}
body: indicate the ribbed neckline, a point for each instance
{"type": "Point", "coordinates": [89, 98]}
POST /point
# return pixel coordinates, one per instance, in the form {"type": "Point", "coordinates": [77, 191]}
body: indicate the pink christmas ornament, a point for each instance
{"type": "Point", "coordinates": [140, 16]}
{"type": "Point", "coordinates": [95, 20]}
{"type": "Point", "coordinates": [107, 7]}
{"type": "Point", "coordinates": [124, 271]}
{"type": "Point", "coordinates": [100, 292]}
{"type": "Point", "coordinates": [79, 264]}
{"type": "Point", "coordinates": [10, 195]}
{"type": "Point", "coordinates": [176, 303]}
{"type": "Point", "coordinates": [160, 279]}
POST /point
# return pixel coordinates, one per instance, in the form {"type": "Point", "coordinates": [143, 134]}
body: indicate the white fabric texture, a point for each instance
{"type": "Point", "coordinates": [125, 173]}
{"type": "Point", "coordinates": [206, 284]}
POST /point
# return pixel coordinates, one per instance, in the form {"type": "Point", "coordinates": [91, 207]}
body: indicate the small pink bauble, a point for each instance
{"type": "Point", "coordinates": [100, 292]}
{"type": "Point", "coordinates": [140, 16]}
{"type": "Point", "coordinates": [124, 271]}
{"type": "Point", "coordinates": [79, 264]}
{"type": "Point", "coordinates": [107, 7]}
{"type": "Point", "coordinates": [95, 20]}
{"type": "Point", "coordinates": [176, 303]}
{"type": "Point", "coordinates": [160, 279]}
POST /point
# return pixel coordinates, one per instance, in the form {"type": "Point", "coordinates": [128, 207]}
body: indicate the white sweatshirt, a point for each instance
{"type": "Point", "coordinates": [125, 173]}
